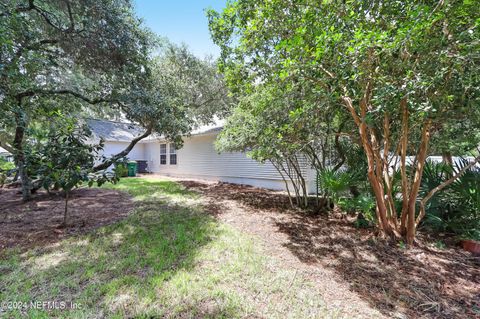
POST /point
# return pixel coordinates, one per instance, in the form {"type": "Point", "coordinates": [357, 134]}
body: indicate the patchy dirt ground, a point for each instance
{"type": "Point", "coordinates": [360, 274]}
{"type": "Point", "coordinates": [38, 222]}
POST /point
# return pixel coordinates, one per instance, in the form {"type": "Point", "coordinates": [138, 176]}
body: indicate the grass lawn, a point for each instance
{"type": "Point", "coordinates": [169, 258]}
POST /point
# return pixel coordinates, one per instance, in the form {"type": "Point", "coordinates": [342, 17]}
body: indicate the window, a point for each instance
{"type": "Point", "coordinates": [173, 155]}
{"type": "Point", "coordinates": [163, 154]}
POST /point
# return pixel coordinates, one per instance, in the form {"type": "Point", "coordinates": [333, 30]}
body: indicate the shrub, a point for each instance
{"type": "Point", "coordinates": [5, 165]}
{"type": "Point", "coordinates": [333, 184]}
{"type": "Point", "coordinates": [121, 170]}
{"type": "Point", "coordinates": [6, 169]}
{"type": "Point", "coordinates": [364, 205]}
{"type": "Point", "coordinates": [455, 209]}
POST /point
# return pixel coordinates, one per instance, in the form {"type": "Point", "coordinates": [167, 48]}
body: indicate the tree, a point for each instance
{"type": "Point", "coordinates": [61, 157]}
{"type": "Point", "coordinates": [402, 71]}
{"type": "Point", "coordinates": [87, 52]}
{"type": "Point", "coordinates": [286, 135]}
{"type": "Point", "coordinates": [179, 92]}
{"type": "Point", "coordinates": [95, 57]}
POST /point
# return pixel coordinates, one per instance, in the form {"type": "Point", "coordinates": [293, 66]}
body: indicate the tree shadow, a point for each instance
{"type": "Point", "coordinates": [36, 223]}
{"type": "Point", "coordinates": [119, 265]}
{"type": "Point", "coordinates": [420, 282]}
{"type": "Point", "coordinates": [252, 197]}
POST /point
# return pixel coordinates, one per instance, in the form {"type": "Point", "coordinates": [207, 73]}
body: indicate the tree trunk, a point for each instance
{"type": "Point", "coordinates": [65, 212]}
{"type": "Point", "coordinates": [19, 156]}
{"type": "Point", "coordinates": [412, 200]}
{"type": "Point", "coordinates": [447, 158]}
{"type": "Point", "coordinates": [285, 181]}
{"type": "Point", "coordinates": [373, 165]}
{"type": "Point", "coordinates": [403, 166]}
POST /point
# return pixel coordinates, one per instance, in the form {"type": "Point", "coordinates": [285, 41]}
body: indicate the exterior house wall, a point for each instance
{"type": "Point", "coordinates": [112, 148]}
{"type": "Point", "coordinates": [199, 159]}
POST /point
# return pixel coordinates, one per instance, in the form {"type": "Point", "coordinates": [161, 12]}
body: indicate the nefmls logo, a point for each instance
{"type": "Point", "coordinates": [58, 305]}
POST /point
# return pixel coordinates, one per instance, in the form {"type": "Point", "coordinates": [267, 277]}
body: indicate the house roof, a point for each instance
{"type": "Point", "coordinates": [114, 131]}
{"type": "Point", "coordinates": [124, 132]}
{"type": "Point", "coordinates": [217, 126]}
{"type": "Point", "coordinates": [3, 151]}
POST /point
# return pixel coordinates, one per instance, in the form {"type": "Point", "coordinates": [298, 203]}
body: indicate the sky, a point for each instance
{"type": "Point", "coordinates": [182, 21]}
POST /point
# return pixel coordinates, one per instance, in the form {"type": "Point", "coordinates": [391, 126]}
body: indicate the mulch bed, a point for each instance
{"type": "Point", "coordinates": [38, 221]}
{"type": "Point", "coordinates": [421, 282]}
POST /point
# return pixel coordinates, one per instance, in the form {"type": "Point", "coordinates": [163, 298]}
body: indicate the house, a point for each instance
{"type": "Point", "coordinates": [197, 159]}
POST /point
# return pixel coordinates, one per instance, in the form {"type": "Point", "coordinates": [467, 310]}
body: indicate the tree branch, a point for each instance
{"type": "Point", "coordinates": [47, 16]}
{"type": "Point", "coordinates": [34, 46]}
{"type": "Point", "coordinates": [339, 148]}
{"type": "Point", "coordinates": [123, 153]}
{"type": "Point", "coordinates": [34, 92]}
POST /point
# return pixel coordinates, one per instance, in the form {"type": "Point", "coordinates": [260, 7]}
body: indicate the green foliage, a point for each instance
{"type": "Point", "coordinates": [355, 61]}
{"type": "Point", "coordinates": [65, 56]}
{"type": "Point", "coordinates": [61, 156]}
{"type": "Point", "coordinates": [440, 244]}
{"type": "Point", "coordinates": [82, 51]}
{"type": "Point", "coordinates": [457, 207]}
{"type": "Point", "coordinates": [5, 168]}
{"type": "Point", "coordinates": [334, 183]}
{"type": "Point", "coordinates": [5, 165]}
{"type": "Point", "coordinates": [121, 170]}
{"type": "Point", "coordinates": [95, 58]}
{"type": "Point", "coordinates": [179, 92]}
{"type": "Point", "coordinates": [364, 205]}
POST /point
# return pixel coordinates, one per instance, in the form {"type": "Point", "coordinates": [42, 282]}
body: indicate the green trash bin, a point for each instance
{"type": "Point", "coordinates": [132, 168]}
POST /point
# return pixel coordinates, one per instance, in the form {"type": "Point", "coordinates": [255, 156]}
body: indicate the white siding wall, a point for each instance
{"type": "Point", "coordinates": [112, 148]}
{"type": "Point", "coordinates": [199, 159]}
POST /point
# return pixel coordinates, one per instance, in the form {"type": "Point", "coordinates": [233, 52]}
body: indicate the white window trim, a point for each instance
{"type": "Point", "coordinates": [163, 151]}
{"type": "Point", "coordinates": [172, 150]}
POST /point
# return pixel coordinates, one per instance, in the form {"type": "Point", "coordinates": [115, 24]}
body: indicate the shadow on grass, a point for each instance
{"type": "Point", "coordinates": [120, 270]}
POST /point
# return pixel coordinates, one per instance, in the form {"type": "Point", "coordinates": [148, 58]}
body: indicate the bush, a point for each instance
{"type": "Point", "coordinates": [5, 165]}
{"type": "Point", "coordinates": [121, 170]}
{"type": "Point", "coordinates": [6, 169]}
{"type": "Point", "coordinates": [333, 184]}
{"type": "Point", "coordinates": [364, 205]}
{"type": "Point", "coordinates": [455, 209]}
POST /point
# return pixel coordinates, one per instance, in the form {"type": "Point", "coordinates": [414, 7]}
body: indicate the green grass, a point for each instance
{"type": "Point", "coordinates": [168, 259]}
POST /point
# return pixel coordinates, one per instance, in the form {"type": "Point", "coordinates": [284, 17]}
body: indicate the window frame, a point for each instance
{"type": "Point", "coordinates": [163, 154]}
{"type": "Point", "coordinates": [172, 152]}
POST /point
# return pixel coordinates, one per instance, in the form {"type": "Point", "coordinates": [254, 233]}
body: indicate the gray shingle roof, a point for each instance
{"type": "Point", "coordinates": [124, 132]}
{"type": "Point", "coordinates": [114, 131]}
